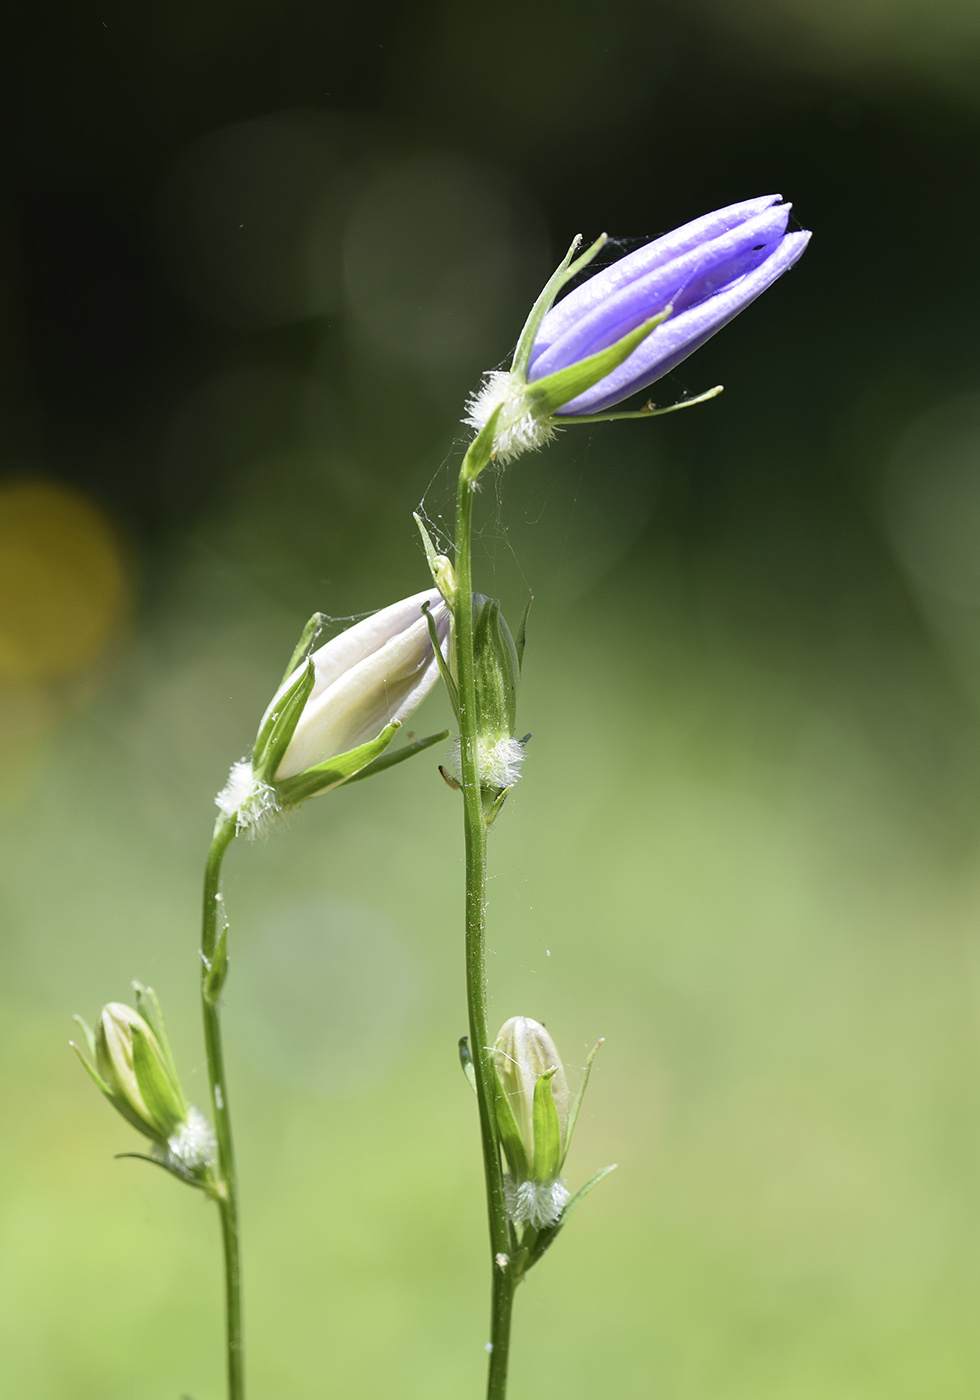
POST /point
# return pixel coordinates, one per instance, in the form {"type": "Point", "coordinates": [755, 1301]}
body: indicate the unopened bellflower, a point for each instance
{"type": "Point", "coordinates": [536, 1116]}
{"type": "Point", "coordinates": [338, 708]}
{"type": "Point", "coordinates": [128, 1056]}
{"type": "Point", "coordinates": [632, 322]}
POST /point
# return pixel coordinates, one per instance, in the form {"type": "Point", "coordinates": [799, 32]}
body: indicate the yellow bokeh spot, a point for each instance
{"type": "Point", "coordinates": [63, 584]}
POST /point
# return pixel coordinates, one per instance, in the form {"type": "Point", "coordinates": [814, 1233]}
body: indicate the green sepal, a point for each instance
{"type": "Point", "coordinates": [335, 770]}
{"type": "Point", "coordinates": [546, 1237]}
{"type": "Point", "coordinates": [563, 273]}
{"type": "Point", "coordinates": [496, 668]}
{"type": "Point", "coordinates": [214, 978]}
{"type": "Point", "coordinates": [390, 760]}
{"type": "Point", "coordinates": [510, 1136]}
{"type": "Point", "coordinates": [547, 1129]}
{"type": "Point", "coordinates": [577, 1102]}
{"type": "Point", "coordinates": [118, 1102]}
{"type": "Point", "coordinates": [452, 690]}
{"type": "Point", "coordinates": [148, 1006]}
{"type": "Point", "coordinates": [466, 1061]}
{"type": "Point", "coordinates": [278, 728]}
{"type": "Point", "coordinates": [88, 1033]}
{"type": "Point", "coordinates": [89, 1068]}
{"type": "Point", "coordinates": [204, 1182]}
{"type": "Point", "coordinates": [443, 574]}
{"type": "Point", "coordinates": [548, 394]}
{"type": "Point", "coordinates": [158, 1089]}
{"type": "Point", "coordinates": [647, 411]}
{"type": "Point", "coordinates": [480, 450]}
{"type": "Point", "coordinates": [304, 646]}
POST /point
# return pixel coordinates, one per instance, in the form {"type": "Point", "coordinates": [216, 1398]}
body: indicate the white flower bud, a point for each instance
{"type": "Point", "coordinates": [377, 671]}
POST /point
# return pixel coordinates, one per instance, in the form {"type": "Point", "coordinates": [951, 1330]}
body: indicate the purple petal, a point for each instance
{"type": "Point", "coordinates": [681, 335]}
{"type": "Point", "coordinates": [646, 259]}
{"type": "Point", "coordinates": [695, 275]}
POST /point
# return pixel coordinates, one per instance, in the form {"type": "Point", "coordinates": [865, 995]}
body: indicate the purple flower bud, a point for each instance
{"type": "Point", "coordinates": [631, 323]}
{"type": "Point", "coordinates": [703, 273]}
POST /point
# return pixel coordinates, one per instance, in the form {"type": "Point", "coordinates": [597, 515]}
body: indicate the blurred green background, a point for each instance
{"type": "Point", "coordinates": [254, 258]}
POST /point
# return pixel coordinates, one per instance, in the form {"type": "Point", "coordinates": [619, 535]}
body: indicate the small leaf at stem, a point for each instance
{"type": "Point", "coordinates": [214, 979]}
{"type": "Point", "coordinates": [466, 1061]}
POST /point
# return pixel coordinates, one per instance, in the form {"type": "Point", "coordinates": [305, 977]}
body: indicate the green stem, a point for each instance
{"type": "Point", "coordinates": [212, 925]}
{"type": "Point", "coordinates": [475, 833]}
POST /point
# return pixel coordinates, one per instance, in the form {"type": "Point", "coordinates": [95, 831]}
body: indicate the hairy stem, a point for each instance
{"type": "Point", "coordinates": [475, 834]}
{"type": "Point", "coordinates": [212, 928]}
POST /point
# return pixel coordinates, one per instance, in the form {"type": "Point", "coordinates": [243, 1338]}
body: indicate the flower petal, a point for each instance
{"type": "Point", "coordinates": [571, 308]}
{"type": "Point", "coordinates": [679, 336]}
{"type": "Point", "coordinates": [681, 282]}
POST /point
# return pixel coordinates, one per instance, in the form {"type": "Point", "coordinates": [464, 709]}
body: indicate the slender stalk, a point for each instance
{"type": "Point", "coordinates": [226, 1193]}
{"type": "Point", "coordinates": [475, 834]}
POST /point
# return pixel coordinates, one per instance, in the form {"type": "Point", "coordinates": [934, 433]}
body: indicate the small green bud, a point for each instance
{"type": "Point", "coordinates": [130, 1060]}
{"type": "Point", "coordinates": [444, 577]}
{"type": "Point", "coordinates": [497, 673]}
{"type": "Point", "coordinates": [534, 1107]}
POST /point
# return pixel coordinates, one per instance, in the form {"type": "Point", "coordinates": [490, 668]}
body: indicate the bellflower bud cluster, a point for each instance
{"type": "Point", "coordinates": [338, 708]}
{"type": "Point", "coordinates": [633, 322]}
{"type": "Point", "coordinates": [130, 1060]}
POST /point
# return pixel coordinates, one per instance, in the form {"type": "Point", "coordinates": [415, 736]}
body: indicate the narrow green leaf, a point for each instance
{"type": "Point", "coordinates": [452, 690]}
{"type": "Point", "coordinates": [91, 1071]}
{"type": "Point", "coordinates": [549, 393]}
{"type": "Point", "coordinates": [88, 1033]}
{"type": "Point", "coordinates": [583, 1191]}
{"type": "Point", "coordinates": [466, 1061]}
{"type": "Point", "coordinates": [647, 411]}
{"type": "Point", "coordinates": [510, 1136]}
{"type": "Point", "coordinates": [563, 273]}
{"type": "Point", "coordinates": [480, 450]}
{"type": "Point", "coordinates": [431, 553]}
{"type": "Point", "coordinates": [577, 1103]}
{"type": "Point", "coordinates": [335, 770]}
{"type": "Point", "coordinates": [148, 1006]}
{"type": "Point", "coordinates": [392, 758]}
{"type": "Point", "coordinates": [202, 1183]}
{"type": "Point", "coordinates": [161, 1094]}
{"type": "Point", "coordinates": [280, 725]}
{"type": "Point", "coordinates": [547, 1129]}
{"type": "Point", "coordinates": [214, 979]}
{"type": "Point", "coordinates": [439, 566]}
{"type": "Point", "coordinates": [547, 1237]}
{"type": "Point", "coordinates": [305, 644]}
